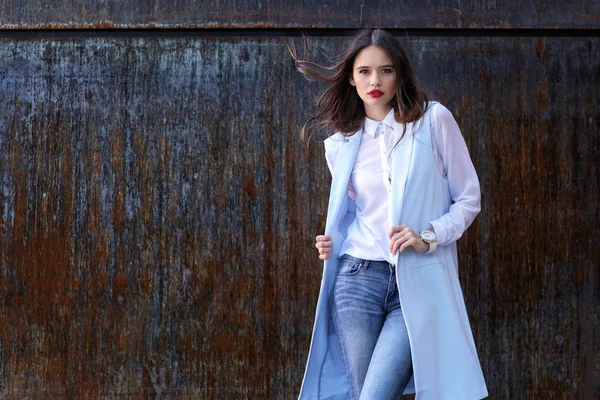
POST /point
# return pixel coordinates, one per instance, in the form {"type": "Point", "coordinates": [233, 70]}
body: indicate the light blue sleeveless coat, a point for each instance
{"type": "Point", "coordinates": [445, 361]}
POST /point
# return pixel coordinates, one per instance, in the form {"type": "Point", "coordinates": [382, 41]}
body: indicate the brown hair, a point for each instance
{"type": "Point", "coordinates": [340, 104]}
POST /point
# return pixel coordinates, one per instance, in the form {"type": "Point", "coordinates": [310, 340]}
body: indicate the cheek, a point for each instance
{"type": "Point", "coordinates": [365, 83]}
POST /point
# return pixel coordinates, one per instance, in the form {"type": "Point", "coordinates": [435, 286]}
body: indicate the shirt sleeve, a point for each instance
{"type": "Point", "coordinates": [462, 178]}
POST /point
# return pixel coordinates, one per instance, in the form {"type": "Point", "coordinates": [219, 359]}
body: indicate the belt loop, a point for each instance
{"type": "Point", "coordinates": [366, 264]}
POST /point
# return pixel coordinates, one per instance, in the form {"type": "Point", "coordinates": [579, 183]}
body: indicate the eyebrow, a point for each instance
{"type": "Point", "coordinates": [381, 66]}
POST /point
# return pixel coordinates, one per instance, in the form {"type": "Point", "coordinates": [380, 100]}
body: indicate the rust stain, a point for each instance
{"type": "Point", "coordinates": [542, 98]}
{"type": "Point", "coordinates": [484, 78]}
{"type": "Point", "coordinates": [20, 178]}
{"type": "Point", "coordinates": [541, 50]}
{"type": "Point", "coordinates": [250, 186]}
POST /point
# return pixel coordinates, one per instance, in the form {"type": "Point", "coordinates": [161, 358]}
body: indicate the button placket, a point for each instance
{"type": "Point", "coordinates": [383, 139]}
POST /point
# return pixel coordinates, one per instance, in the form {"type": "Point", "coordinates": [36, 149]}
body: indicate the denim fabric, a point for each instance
{"type": "Point", "coordinates": [373, 336]}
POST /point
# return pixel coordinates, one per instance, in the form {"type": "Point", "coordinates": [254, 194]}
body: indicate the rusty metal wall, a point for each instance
{"type": "Point", "coordinates": [158, 209]}
{"type": "Point", "coordinates": [149, 189]}
{"type": "Point", "coordinates": [575, 14]}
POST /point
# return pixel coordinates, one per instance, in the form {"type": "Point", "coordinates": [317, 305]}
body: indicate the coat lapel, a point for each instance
{"type": "Point", "coordinates": [401, 165]}
{"type": "Point", "coordinates": [341, 176]}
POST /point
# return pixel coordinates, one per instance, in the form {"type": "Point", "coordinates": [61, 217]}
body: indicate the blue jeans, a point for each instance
{"type": "Point", "coordinates": [371, 328]}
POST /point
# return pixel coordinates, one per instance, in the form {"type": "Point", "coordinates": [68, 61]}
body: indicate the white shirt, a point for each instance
{"type": "Point", "coordinates": [370, 185]}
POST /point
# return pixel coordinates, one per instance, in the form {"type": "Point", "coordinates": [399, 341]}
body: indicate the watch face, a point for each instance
{"type": "Point", "coordinates": [427, 236]}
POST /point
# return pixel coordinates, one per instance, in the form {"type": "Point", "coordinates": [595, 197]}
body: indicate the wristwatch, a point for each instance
{"type": "Point", "coordinates": [429, 237]}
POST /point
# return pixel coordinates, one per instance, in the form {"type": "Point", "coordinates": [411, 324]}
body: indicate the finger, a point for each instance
{"type": "Point", "coordinates": [321, 238]}
{"type": "Point", "coordinates": [391, 231]}
{"type": "Point", "coordinates": [394, 238]}
{"type": "Point", "coordinates": [321, 245]}
{"type": "Point", "coordinates": [396, 243]}
{"type": "Point", "coordinates": [403, 237]}
{"type": "Point", "coordinates": [324, 256]}
{"type": "Point", "coordinates": [406, 231]}
{"type": "Point", "coordinates": [395, 228]}
{"type": "Point", "coordinates": [409, 243]}
{"type": "Point", "coordinates": [324, 250]}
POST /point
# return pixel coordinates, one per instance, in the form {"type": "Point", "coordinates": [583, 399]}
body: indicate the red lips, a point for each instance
{"type": "Point", "coordinates": [375, 93]}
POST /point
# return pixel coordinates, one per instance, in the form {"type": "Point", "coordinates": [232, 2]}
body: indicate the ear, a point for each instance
{"type": "Point", "coordinates": [351, 80]}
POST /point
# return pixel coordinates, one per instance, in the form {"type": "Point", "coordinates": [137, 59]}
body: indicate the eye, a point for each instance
{"type": "Point", "coordinates": [363, 71]}
{"type": "Point", "coordinates": [387, 70]}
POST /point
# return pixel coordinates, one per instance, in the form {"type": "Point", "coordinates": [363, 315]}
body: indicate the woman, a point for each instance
{"type": "Point", "coordinates": [391, 318]}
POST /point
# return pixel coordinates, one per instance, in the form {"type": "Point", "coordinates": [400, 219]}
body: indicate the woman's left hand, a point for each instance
{"type": "Point", "coordinates": [402, 237]}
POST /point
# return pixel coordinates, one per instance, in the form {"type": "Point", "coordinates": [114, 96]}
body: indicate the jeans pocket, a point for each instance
{"type": "Point", "coordinates": [350, 266]}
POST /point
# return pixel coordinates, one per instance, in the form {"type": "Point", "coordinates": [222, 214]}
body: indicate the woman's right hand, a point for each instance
{"type": "Point", "coordinates": [325, 246]}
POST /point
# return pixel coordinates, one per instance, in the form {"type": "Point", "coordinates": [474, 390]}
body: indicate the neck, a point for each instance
{"type": "Point", "coordinates": [377, 113]}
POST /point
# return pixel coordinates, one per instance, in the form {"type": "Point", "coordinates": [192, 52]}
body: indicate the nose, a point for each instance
{"type": "Point", "coordinates": [375, 80]}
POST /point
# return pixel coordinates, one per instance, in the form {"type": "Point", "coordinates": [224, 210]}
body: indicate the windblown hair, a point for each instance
{"type": "Point", "coordinates": [340, 105]}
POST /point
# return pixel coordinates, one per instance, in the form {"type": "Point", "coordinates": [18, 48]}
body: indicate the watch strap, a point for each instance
{"type": "Point", "coordinates": [432, 247]}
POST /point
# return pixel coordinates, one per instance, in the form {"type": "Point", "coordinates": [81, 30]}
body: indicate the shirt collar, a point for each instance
{"type": "Point", "coordinates": [370, 125]}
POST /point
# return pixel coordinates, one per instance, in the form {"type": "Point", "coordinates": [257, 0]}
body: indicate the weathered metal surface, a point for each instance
{"type": "Point", "coordinates": [157, 215]}
{"type": "Point", "coordinates": [305, 14]}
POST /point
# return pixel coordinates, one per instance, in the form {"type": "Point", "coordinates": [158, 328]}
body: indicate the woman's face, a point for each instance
{"type": "Point", "coordinates": [375, 79]}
